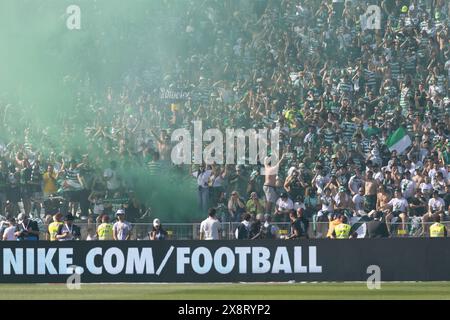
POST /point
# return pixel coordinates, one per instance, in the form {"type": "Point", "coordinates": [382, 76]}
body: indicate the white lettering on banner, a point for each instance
{"type": "Point", "coordinates": [182, 259]}
{"type": "Point", "coordinates": [207, 260]}
{"type": "Point", "coordinates": [298, 267]}
{"type": "Point", "coordinates": [12, 260]}
{"type": "Point", "coordinates": [135, 260]}
{"type": "Point", "coordinates": [281, 261]}
{"type": "Point", "coordinates": [90, 265]}
{"type": "Point", "coordinates": [260, 259]}
{"type": "Point", "coordinates": [313, 267]}
{"type": "Point", "coordinates": [30, 260]}
{"type": "Point", "coordinates": [120, 260]}
{"type": "Point", "coordinates": [45, 261]}
{"type": "Point", "coordinates": [138, 263]}
{"type": "Point", "coordinates": [229, 258]}
{"type": "Point", "coordinates": [242, 252]}
{"type": "Point", "coordinates": [64, 260]}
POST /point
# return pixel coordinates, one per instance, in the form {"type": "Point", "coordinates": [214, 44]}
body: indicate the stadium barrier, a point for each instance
{"type": "Point", "coordinates": [400, 259]}
{"type": "Point", "coordinates": [191, 231]}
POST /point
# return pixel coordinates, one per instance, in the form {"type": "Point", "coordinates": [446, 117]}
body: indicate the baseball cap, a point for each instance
{"type": "Point", "coordinates": [156, 222]}
{"type": "Point", "coordinates": [120, 212]}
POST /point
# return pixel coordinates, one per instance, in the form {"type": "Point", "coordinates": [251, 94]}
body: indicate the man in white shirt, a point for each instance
{"type": "Point", "coordinates": [358, 201]}
{"type": "Point", "coordinates": [398, 206]}
{"type": "Point", "coordinates": [210, 227]}
{"type": "Point", "coordinates": [355, 182]}
{"type": "Point", "coordinates": [407, 185]}
{"type": "Point", "coordinates": [9, 233]}
{"type": "Point", "coordinates": [436, 205]}
{"type": "Point", "coordinates": [203, 174]}
{"type": "Point", "coordinates": [283, 205]}
{"type": "Point", "coordinates": [122, 228]}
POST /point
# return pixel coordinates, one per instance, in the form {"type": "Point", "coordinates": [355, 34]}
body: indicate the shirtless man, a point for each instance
{"type": "Point", "coordinates": [370, 188]}
{"type": "Point", "coordinates": [382, 198]}
{"type": "Point", "coordinates": [270, 180]}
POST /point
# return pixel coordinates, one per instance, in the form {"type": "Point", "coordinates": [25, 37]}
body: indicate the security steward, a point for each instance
{"type": "Point", "coordinates": [342, 230]}
{"type": "Point", "coordinates": [105, 229]}
{"type": "Point", "coordinates": [54, 227]}
{"type": "Point", "coordinates": [437, 229]}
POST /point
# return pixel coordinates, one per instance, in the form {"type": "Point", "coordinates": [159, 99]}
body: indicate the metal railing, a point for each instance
{"type": "Point", "coordinates": [191, 231]}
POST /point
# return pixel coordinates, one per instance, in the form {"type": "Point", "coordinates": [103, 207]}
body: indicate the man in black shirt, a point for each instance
{"type": "Point", "coordinates": [296, 226]}
{"type": "Point", "coordinates": [27, 229]}
{"type": "Point", "coordinates": [376, 228]}
{"type": "Point", "coordinates": [417, 204]}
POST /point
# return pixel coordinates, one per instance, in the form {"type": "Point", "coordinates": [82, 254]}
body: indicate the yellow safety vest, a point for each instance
{"type": "Point", "coordinates": [342, 231]}
{"type": "Point", "coordinates": [105, 231]}
{"type": "Point", "coordinates": [53, 229]}
{"type": "Point", "coordinates": [437, 230]}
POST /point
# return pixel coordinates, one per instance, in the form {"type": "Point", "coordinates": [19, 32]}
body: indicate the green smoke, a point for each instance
{"type": "Point", "coordinates": [51, 78]}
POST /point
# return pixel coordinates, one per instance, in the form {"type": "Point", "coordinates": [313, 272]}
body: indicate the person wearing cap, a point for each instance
{"type": "Point", "coordinates": [157, 232]}
{"type": "Point", "coordinates": [282, 206]}
{"type": "Point", "coordinates": [437, 229]}
{"type": "Point", "coordinates": [68, 231]}
{"type": "Point", "coordinates": [105, 229]}
{"type": "Point", "coordinates": [122, 228]}
{"type": "Point", "coordinates": [54, 227]}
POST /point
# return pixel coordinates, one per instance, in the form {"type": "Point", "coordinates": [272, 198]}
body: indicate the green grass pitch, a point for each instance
{"type": "Point", "coordinates": [236, 291]}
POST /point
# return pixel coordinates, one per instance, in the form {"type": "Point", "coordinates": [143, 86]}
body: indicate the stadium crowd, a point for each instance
{"type": "Point", "coordinates": [364, 114]}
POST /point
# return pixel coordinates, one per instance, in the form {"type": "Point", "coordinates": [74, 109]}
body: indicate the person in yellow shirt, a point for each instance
{"type": "Point", "coordinates": [437, 229]}
{"type": "Point", "coordinates": [332, 224]}
{"type": "Point", "coordinates": [105, 229]}
{"type": "Point", "coordinates": [49, 178]}
{"type": "Point", "coordinates": [54, 227]}
{"type": "Point", "coordinates": [342, 230]}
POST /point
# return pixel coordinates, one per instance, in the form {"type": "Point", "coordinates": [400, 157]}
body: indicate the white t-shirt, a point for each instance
{"type": "Point", "coordinates": [284, 205]}
{"type": "Point", "coordinates": [202, 178]}
{"type": "Point", "coordinates": [327, 203]}
{"type": "Point", "coordinates": [426, 188]}
{"type": "Point", "coordinates": [358, 200]}
{"type": "Point", "coordinates": [112, 182]}
{"type": "Point", "coordinates": [436, 204]}
{"type": "Point", "coordinates": [408, 187]}
{"type": "Point", "coordinates": [355, 183]}
{"type": "Point", "coordinates": [210, 228]}
{"type": "Point", "coordinates": [122, 229]}
{"type": "Point", "coordinates": [398, 204]}
{"type": "Point", "coordinates": [9, 233]}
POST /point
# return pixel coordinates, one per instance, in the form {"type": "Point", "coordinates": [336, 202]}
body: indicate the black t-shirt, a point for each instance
{"type": "Point", "coordinates": [24, 227]}
{"type": "Point", "coordinates": [76, 231]}
{"type": "Point", "coordinates": [418, 211]}
{"type": "Point", "coordinates": [297, 225]}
